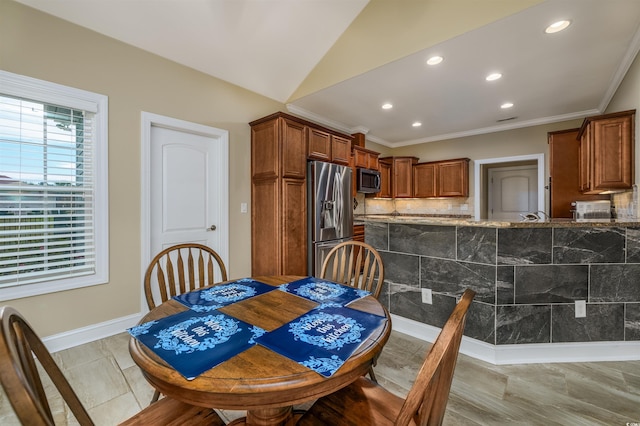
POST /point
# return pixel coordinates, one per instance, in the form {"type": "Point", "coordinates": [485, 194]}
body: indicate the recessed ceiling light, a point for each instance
{"type": "Point", "coordinates": [387, 106]}
{"type": "Point", "coordinates": [435, 60]}
{"type": "Point", "coordinates": [494, 76]}
{"type": "Point", "coordinates": [506, 105]}
{"type": "Point", "coordinates": [557, 27]}
{"type": "Point", "coordinates": [417, 124]}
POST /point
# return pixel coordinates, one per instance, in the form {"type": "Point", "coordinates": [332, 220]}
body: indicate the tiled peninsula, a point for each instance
{"type": "Point", "coordinates": [527, 276]}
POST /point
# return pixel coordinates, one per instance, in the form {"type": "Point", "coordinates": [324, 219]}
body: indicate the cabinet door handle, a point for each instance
{"type": "Point", "coordinates": [212, 228]}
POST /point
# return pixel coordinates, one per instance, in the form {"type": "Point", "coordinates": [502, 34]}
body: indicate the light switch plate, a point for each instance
{"type": "Point", "coordinates": [426, 296]}
{"type": "Point", "coordinates": [243, 207]}
{"type": "Point", "coordinates": [581, 308]}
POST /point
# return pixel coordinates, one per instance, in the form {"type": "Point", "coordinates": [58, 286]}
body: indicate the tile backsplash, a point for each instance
{"type": "Point", "coordinates": [417, 206]}
{"type": "Point", "coordinates": [626, 204]}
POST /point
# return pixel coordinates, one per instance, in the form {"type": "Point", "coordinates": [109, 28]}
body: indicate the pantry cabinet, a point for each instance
{"type": "Point", "coordinates": [606, 152]}
{"type": "Point", "coordinates": [278, 196]}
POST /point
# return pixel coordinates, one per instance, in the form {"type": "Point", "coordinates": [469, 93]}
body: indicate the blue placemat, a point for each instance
{"type": "Point", "coordinates": [325, 292]}
{"type": "Point", "coordinates": [324, 338]}
{"type": "Point", "coordinates": [208, 299]}
{"type": "Point", "coordinates": [194, 342]}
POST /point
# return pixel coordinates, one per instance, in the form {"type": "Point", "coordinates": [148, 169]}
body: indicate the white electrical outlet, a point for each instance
{"type": "Point", "coordinates": [426, 296]}
{"type": "Point", "coordinates": [464, 207]}
{"type": "Point", "coordinates": [243, 207]}
{"type": "Point", "coordinates": [581, 308]}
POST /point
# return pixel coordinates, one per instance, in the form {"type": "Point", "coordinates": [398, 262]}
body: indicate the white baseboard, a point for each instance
{"type": "Point", "coordinates": [533, 353]}
{"type": "Point", "coordinates": [79, 336]}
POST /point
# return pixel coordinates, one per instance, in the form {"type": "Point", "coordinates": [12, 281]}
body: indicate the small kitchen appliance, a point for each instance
{"type": "Point", "coordinates": [592, 210]}
{"type": "Point", "coordinates": [368, 181]}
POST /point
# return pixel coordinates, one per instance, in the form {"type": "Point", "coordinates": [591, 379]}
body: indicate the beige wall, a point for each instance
{"type": "Point", "coordinates": [40, 46]}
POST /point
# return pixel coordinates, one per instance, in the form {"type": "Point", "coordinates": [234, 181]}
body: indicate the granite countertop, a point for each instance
{"type": "Point", "coordinates": [469, 221]}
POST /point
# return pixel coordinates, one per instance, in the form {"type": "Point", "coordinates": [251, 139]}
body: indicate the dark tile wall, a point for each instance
{"type": "Point", "coordinates": [526, 279]}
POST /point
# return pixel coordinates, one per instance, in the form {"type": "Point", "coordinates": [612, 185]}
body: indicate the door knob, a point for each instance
{"type": "Point", "coordinates": [212, 228]}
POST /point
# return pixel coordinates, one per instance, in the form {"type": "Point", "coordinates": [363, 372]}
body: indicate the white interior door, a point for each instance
{"type": "Point", "coordinates": [185, 181]}
{"type": "Point", "coordinates": [512, 191]}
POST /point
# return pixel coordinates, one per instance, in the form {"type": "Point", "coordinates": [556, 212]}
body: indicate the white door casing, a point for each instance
{"type": "Point", "coordinates": [512, 191]}
{"type": "Point", "coordinates": [184, 187]}
{"type": "Point", "coordinates": [479, 164]}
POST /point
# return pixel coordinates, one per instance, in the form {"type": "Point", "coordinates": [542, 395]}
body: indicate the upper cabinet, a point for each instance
{"type": "Point", "coordinates": [365, 158]}
{"type": "Point", "coordinates": [424, 180]}
{"type": "Point", "coordinates": [384, 166]}
{"type": "Point", "coordinates": [449, 178]}
{"type": "Point", "coordinates": [606, 152]}
{"type": "Point", "coordinates": [453, 178]}
{"type": "Point", "coordinates": [326, 146]}
{"type": "Point", "coordinates": [404, 177]}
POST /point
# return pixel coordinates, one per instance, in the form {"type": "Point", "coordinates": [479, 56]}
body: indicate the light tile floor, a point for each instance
{"type": "Point", "coordinates": [604, 393]}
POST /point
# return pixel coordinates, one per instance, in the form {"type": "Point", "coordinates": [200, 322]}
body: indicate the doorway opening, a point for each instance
{"type": "Point", "coordinates": [482, 170]}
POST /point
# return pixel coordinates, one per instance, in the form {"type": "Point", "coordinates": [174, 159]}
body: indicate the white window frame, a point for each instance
{"type": "Point", "coordinates": [57, 94]}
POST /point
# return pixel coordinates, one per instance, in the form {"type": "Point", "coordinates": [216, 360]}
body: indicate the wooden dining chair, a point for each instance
{"type": "Point", "coordinates": [356, 264]}
{"type": "Point", "coordinates": [359, 265]}
{"type": "Point", "coordinates": [20, 346]}
{"type": "Point", "coordinates": [179, 269]}
{"type": "Point", "coordinates": [367, 403]}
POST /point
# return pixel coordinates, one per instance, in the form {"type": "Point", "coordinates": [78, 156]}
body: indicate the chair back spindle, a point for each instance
{"type": "Point", "coordinates": [179, 269]}
{"type": "Point", "coordinates": [356, 264]}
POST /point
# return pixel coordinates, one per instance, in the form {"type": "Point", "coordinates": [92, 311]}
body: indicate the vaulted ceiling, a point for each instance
{"type": "Point", "coordinates": [337, 61]}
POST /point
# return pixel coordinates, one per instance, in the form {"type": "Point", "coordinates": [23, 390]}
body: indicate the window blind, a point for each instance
{"type": "Point", "coordinates": [47, 192]}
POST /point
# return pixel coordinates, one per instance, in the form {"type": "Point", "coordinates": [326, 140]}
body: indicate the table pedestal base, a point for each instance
{"type": "Point", "coordinates": [284, 416]}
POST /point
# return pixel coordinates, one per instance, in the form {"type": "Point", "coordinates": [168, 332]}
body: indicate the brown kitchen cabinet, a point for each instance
{"type": "Point", "coordinates": [453, 178]}
{"type": "Point", "coordinates": [384, 166]}
{"type": "Point", "coordinates": [319, 145]}
{"type": "Point", "coordinates": [449, 178]}
{"type": "Point", "coordinates": [606, 152]}
{"type": "Point", "coordinates": [340, 150]}
{"type": "Point", "coordinates": [358, 233]}
{"type": "Point", "coordinates": [564, 166]}
{"type": "Point", "coordinates": [424, 180]}
{"type": "Point", "coordinates": [278, 196]}
{"type": "Point", "coordinates": [365, 158]}
{"type": "Point", "coordinates": [400, 176]}
{"type": "Point", "coordinates": [325, 146]}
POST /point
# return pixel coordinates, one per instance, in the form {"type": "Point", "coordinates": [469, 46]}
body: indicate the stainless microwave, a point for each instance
{"type": "Point", "coordinates": [368, 181]}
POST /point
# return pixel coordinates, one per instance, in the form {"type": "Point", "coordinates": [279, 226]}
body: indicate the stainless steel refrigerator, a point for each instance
{"type": "Point", "coordinates": [330, 209]}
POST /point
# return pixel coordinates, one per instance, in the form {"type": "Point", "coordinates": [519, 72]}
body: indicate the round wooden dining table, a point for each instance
{"type": "Point", "coordinates": [264, 383]}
